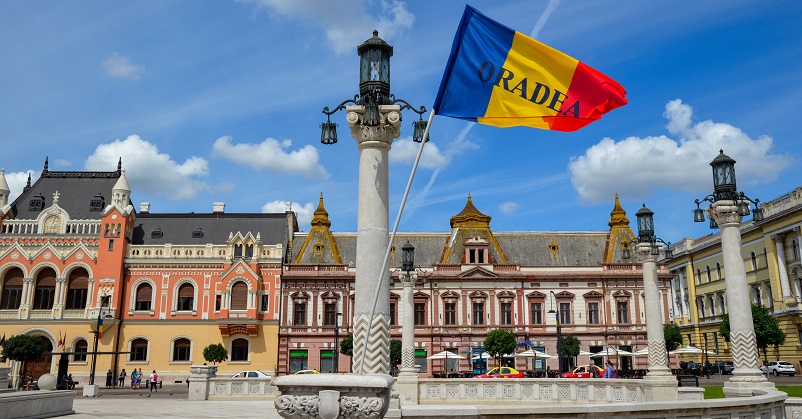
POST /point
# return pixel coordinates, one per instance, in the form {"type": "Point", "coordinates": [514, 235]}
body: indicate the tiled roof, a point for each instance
{"type": "Point", "coordinates": [75, 189]}
{"type": "Point", "coordinates": [178, 228]}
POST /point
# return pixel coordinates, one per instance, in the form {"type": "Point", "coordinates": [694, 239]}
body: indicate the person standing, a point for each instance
{"type": "Point", "coordinates": [133, 379]}
{"type": "Point", "coordinates": [609, 372]}
{"type": "Point", "coordinates": [139, 379]}
{"type": "Point", "coordinates": [122, 378]}
{"type": "Point", "coordinates": [109, 379]}
{"type": "Point", "coordinates": [154, 378]}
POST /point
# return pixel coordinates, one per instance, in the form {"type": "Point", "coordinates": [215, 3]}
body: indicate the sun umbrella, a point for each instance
{"type": "Point", "coordinates": [446, 355]}
{"type": "Point", "coordinates": [644, 351]}
{"type": "Point", "coordinates": [611, 352]}
{"type": "Point", "coordinates": [484, 355]}
{"type": "Point", "coordinates": [531, 353]}
{"type": "Point", "coordinates": [585, 353]}
{"type": "Point", "coordinates": [690, 350]}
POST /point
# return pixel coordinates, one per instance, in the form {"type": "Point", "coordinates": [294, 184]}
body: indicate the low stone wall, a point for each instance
{"type": "Point", "coordinates": [36, 404]}
{"type": "Point", "coordinates": [242, 389]}
{"type": "Point", "coordinates": [501, 391]}
{"type": "Point", "coordinates": [769, 405]}
{"type": "Point", "coordinates": [793, 408]}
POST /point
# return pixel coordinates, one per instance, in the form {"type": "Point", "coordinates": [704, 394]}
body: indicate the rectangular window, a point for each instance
{"type": "Point", "coordinates": [479, 313]}
{"type": "Point", "coordinates": [593, 313]}
{"type": "Point", "coordinates": [298, 360]}
{"type": "Point", "coordinates": [218, 302]}
{"type": "Point", "coordinates": [237, 251]}
{"type": "Point", "coordinates": [329, 314]}
{"type": "Point", "coordinates": [76, 299]}
{"type": "Point", "coordinates": [111, 245]}
{"type": "Point", "coordinates": [392, 314]}
{"type": "Point", "coordinates": [181, 352]}
{"type": "Point", "coordinates": [265, 302]}
{"type": "Point", "coordinates": [185, 303]}
{"type": "Point", "coordinates": [139, 353]}
{"type": "Point", "coordinates": [536, 310]}
{"type": "Point", "coordinates": [420, 314]}
{"type": "Point", "coordinates": [623, 311]}
{"type": "Point", "coordinates": [248, 250]}
{"type": "Point", "coordinates": [43, 298]}
{"type": "Point", "coordinates": [506, 313]}
{"type": "Point", "coordinates": [326, 360]}
{"type": "Point", "coordinates": [565, 313]}
{"type": "Point", "coordinates": [12, 296]}
{"type": "Point", "coordinates": [420, 359]}
{"type": "Point", "coordinates": [299, 314]}
{"type": "Point", "coordinates": [451, 314]}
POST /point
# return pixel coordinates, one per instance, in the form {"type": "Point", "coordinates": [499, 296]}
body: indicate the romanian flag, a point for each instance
{"type": "Point", "coordinates": [99, 328]}
{"type": "Point", "coordinates": [497, 76]}
{"type": "Point", "coordinates": [60, 339]}
{"type": "Point", "coordinates": [64, 342]}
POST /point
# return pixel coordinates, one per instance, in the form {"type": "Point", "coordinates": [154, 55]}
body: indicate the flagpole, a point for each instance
{"type": "Point", "coordinates": [392, 237]}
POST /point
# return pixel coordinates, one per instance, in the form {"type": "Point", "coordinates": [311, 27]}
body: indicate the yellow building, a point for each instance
{"type": "Point", "coordinates": [771, 257]}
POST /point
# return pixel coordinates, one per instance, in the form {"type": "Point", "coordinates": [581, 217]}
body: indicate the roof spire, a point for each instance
{"type": "Point", "coordinates": [321, 215]}
{"type": "Point", "coordinates": [120, 165]}
{"type": "Point", "coordinates": [27, 185]}
{"type": "Point", "coordinates": [44, 171]}
{"type": "Point", "coordinates": [618, 216]}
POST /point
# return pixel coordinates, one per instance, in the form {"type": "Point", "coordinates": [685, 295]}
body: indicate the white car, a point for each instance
{"type": "Point", "coordinates": [252, 374]}
{"type": "Point", "coordinates": [779, 367]}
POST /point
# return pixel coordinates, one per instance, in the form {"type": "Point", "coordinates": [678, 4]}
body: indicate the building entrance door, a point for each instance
{"type": "Point", "coordinates": [42, 364]}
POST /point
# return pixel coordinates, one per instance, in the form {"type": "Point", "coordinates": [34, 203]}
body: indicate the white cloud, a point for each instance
{"type": "Point", "coordinates": [150, 171]}
{"type": "Point", "coordinates": [305, 212]}
{"type": "Point", "coordinates": [636, 167]}
{"type": "Point", "coordinates": [121, 67]}
{"type": "Point", "coordinates": [274, 156]}
{"type": "Point", "coordinates": [61, 163]}
{"type": "Point", "coordinates": [404, 151]}
{"type": "Point", "coordinates": [16, 182]}
{"type": "Point", "coordinates": [346, 23]}
{"type": "Point", "coordinates": [508, 207]}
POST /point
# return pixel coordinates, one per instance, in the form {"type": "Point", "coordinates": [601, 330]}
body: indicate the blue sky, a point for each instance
{"type": "Point", "coordinates": [221, 101]}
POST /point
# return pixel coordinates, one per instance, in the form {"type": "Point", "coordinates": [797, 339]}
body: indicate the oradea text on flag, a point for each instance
{"type": "Point", "coordinates": [497, 76]}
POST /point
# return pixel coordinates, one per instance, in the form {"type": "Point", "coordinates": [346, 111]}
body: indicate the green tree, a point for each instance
{"type": "Point", "coordinates": [570, 345]}
{"type": "Point", "coordinates": [395, 353]}
{"type": "Point", "coordinates": [767, 329]}
{"type": "Point", "coordinates": [499, 342]}
{"type": "Point", "coordinates": [23, 348]}
{"type": "Point", "coordinates": [347, 345]}
{"type": "Point", "coordinates": [673, 337]}
{"type": "Point", "coordinates": [215, 353]}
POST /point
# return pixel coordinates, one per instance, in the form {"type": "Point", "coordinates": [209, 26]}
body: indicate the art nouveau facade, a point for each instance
{"type": "Point", "coordinates": [471, 280]}
{"type": "Point", "coordinates": [771, 257]}
{"type": "Point", "coordinates": [172, 283]}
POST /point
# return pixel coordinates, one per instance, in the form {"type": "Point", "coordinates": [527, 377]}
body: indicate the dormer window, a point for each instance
{"type": "Point", "coordinates": [157, 233]}
{"type": "Point", "coordinates": [197, 234]}
{"type": "Point", "coordinates": [37, 203]}
{"type": "Point", "coordinates": [97, 203]}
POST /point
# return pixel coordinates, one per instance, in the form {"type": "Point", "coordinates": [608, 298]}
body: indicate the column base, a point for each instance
{"type": "Point", "coordinates": [407, 385]}
{"type": "Point", "coordinates": [660, 387]}
{"type": "Point", "coordinates": [746, 388]}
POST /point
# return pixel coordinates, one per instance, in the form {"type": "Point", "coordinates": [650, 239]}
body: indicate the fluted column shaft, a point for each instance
{"type": "Point", "coordinates": [658, 358]}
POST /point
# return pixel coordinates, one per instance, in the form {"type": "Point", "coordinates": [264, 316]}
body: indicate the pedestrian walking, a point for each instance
{"type": "Point", "coordinates": [122, 377]}
{"type": "Point", "coordinates": [609, 372]}
{"type": "Point", "coordinates": [154, 378]}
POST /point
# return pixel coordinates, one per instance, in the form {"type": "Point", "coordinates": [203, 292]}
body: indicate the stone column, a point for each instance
{"type": "Point", "coordinates": [746, 375]}
{"type": "Point", "coordinates": [374, 144]}
{"type": "Point", "coordinates": [659, 383]}
{"type": "Point", "coordinates": [199, 383]}
{"type": "Point", "coordinates": [781, 268]}
{"type": "Point", "coordinates": [674, 306]}
{"type": "Point", "coordinates": [685, 312]}
{"type": "Point", "coordinates": [408, 378]}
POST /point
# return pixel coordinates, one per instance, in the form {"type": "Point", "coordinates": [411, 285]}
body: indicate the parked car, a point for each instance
{"type": "Point", "coordinates": [501, 372]}
{"type": "Point", "coordinates": [722, 367]}
{"type": "Point", "coordinates": [307, 372]}
{"type": "Point", "coordinates": [778, 367]}
{"type": "Point", "coordinates": [690, 368]}
{"type": "Point", "coordinates": [251, 374]}
{"type": "Point", "coordinates": [584, 371]}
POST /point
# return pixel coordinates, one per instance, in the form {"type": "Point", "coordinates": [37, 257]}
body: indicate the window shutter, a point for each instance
{"type": "Point", "coordinates": [239, 296]}
{"type": "Point", "coordinates": [144, 292]}
{"type": "Point", "coordinates": [186, 290]}
{"type": "Point", "coordinates": [79, 280]}
{"type": "Point", "coordinates": [14, 278]}
{"type": "Point", "coordinates": [47, 278]}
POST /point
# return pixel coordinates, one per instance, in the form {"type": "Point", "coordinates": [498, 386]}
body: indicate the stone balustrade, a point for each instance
{"type": "Point", "coordinates": [500, 390]}
{"type": "Point", "coordinates": [242, 389]}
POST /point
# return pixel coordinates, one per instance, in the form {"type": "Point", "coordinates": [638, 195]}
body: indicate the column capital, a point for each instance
{"type": "Point", "coordinates": [724, 212]}
{"type": "Point", "coordinates": [379, 136]}
{"type": "Point", "coordinates": [778, 238]}
{"type": "Point", "coordinates": [644, 253]}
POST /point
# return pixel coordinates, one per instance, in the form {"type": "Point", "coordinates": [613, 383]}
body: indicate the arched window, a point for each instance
{"type": "Point", "coordinates": [698, 276]}
{"type": "Point", "coordinates": [80, 349]}
{"type": "Point", "coordinates": [239, 296]}
{"type": "Point", "coordinates": [753, 258]}
{"type": "Point", "coordinates": [708, 273]}
{"type": "Point", "coordinates": [239, 349]}
{"type": "Point", "coordinates": [76, 289]}
{"type": "Point", "coordinates": [186, 297]}
{"type": "Point", "coordinates": [139, 350]}
{"type": "Point", "coordinates": [45, 289]}
{"type": "Point", "coordinates": [181, 349]}
{"type": "Point", "coordinates": [718, 270]}
{"type": "Point", "coordinates": [144, 295]}
{"type": "Point", "coordinates": [12, 289]}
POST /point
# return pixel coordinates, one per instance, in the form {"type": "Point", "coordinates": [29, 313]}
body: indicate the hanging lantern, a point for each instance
{"type": "Point", "coordinates": [724, 187]}
{"type": "Point", "coordinates": [374, 67]}
{"type": "Point", "coordinates": [645, 224]}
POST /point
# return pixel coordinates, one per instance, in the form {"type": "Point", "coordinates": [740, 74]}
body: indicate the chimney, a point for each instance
{"type": "Point", "coordinates": [218, 207]}
{"type": "Point", "coordinates": [144, 207]}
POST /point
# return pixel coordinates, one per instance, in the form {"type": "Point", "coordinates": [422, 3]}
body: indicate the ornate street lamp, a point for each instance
{"type": "Point", "coordinates": [725, 189]}
{"type": "Point", "coordinates": [726, 211]}
{"type": "Point", "coordinates": [374, 119]}
{"type": "Point", "coordinates": [645, 218]}
{"type": "Point", "coordinates": [102, 322]}
{"type": "Point", "coordinates": [559, 331]}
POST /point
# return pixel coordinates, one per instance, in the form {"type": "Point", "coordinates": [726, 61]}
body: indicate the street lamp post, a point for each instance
{"type": "Point", "coordinates": [92, 388]}
{"type": "Point", "coordinates": [661, 383]}
{"type": "Point", "coordinates": [726, 210]}
{"type": "Point", "coordinates": [408, 376]}
{"type": "Point", "coordinates": [336, 351]}
{"type": "Point", "coordinates": [374, 117]}
{"type": "Point", "coordinates": [559, 332]}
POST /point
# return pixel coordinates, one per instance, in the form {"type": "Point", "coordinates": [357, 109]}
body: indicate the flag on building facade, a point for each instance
{"type": "Point", "coordinates": [501, 77]}
{"type": "Point", "coordinates": [64, 341]}
{"type": "Point", "coordinates": [99, 328]}
{"type": "Point", "coordinates": [60, 339]}
{"type": "Point", "coordinates": [3, 339]}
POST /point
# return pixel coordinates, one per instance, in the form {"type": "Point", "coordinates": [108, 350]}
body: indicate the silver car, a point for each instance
{"type": "Point", "coordinates": [779, 367]}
